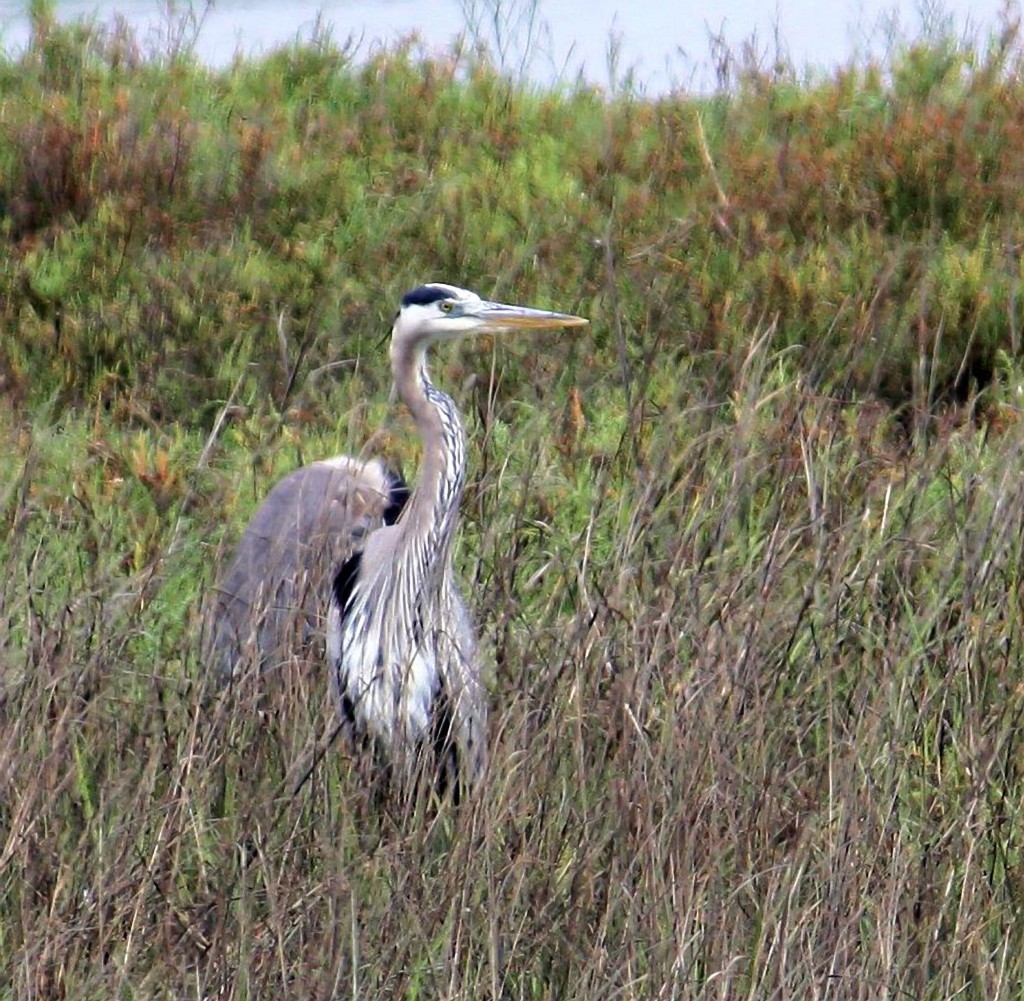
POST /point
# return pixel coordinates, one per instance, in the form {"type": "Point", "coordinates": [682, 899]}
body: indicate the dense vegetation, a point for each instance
{"type": "Point", "coordinates": [746, 553]}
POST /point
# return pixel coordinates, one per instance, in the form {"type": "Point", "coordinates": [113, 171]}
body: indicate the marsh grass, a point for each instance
{"type": "Point", "coordinates": [746, 555]}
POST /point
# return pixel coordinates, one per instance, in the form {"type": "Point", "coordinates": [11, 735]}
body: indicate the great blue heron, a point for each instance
{"type": "Point", "coordinates": [346, 536]}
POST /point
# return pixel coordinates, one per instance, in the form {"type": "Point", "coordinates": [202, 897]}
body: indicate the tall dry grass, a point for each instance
{"type": "Point", "coordinates": [754, 734]}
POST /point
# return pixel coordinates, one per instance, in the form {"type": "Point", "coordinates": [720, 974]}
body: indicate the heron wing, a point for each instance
{"type": "Point", "coordinates": [272, 600]}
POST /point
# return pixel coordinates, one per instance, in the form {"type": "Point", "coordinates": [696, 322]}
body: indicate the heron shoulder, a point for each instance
{"type": "Point", "coordinates": [364, 494]}
{"type": "Point", "coordinates": [370, 475]}
{"type": "Point", "coordinates": [312, 522]}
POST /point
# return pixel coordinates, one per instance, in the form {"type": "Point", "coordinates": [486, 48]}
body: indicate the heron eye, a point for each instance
{"type": "Point", "coordinates": [446, 306]}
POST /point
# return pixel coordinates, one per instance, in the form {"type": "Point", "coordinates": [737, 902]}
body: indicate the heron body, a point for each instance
{"type": "Point", "coordinates": [343, 540]}
{"type": "Point", "coordinates": [268, 605]}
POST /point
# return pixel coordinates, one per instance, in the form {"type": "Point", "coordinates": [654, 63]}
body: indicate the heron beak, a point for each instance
{"type": "Point", "coordinates": [499, 317]}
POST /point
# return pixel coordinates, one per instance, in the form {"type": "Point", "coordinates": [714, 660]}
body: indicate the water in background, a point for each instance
{"type": "Point", "coordinates": [665, 44]}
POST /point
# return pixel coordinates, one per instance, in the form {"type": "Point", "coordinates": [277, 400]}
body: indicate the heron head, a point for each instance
{"type": "Point", "coordinates": [439, 312]}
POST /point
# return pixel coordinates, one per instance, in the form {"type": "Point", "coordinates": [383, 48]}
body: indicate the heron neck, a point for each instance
{"type": "Point", "coordinates": [433, 509]}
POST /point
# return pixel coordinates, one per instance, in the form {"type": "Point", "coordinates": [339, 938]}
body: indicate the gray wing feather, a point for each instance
{"type": "Point", "coordinates": [272, 600]}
